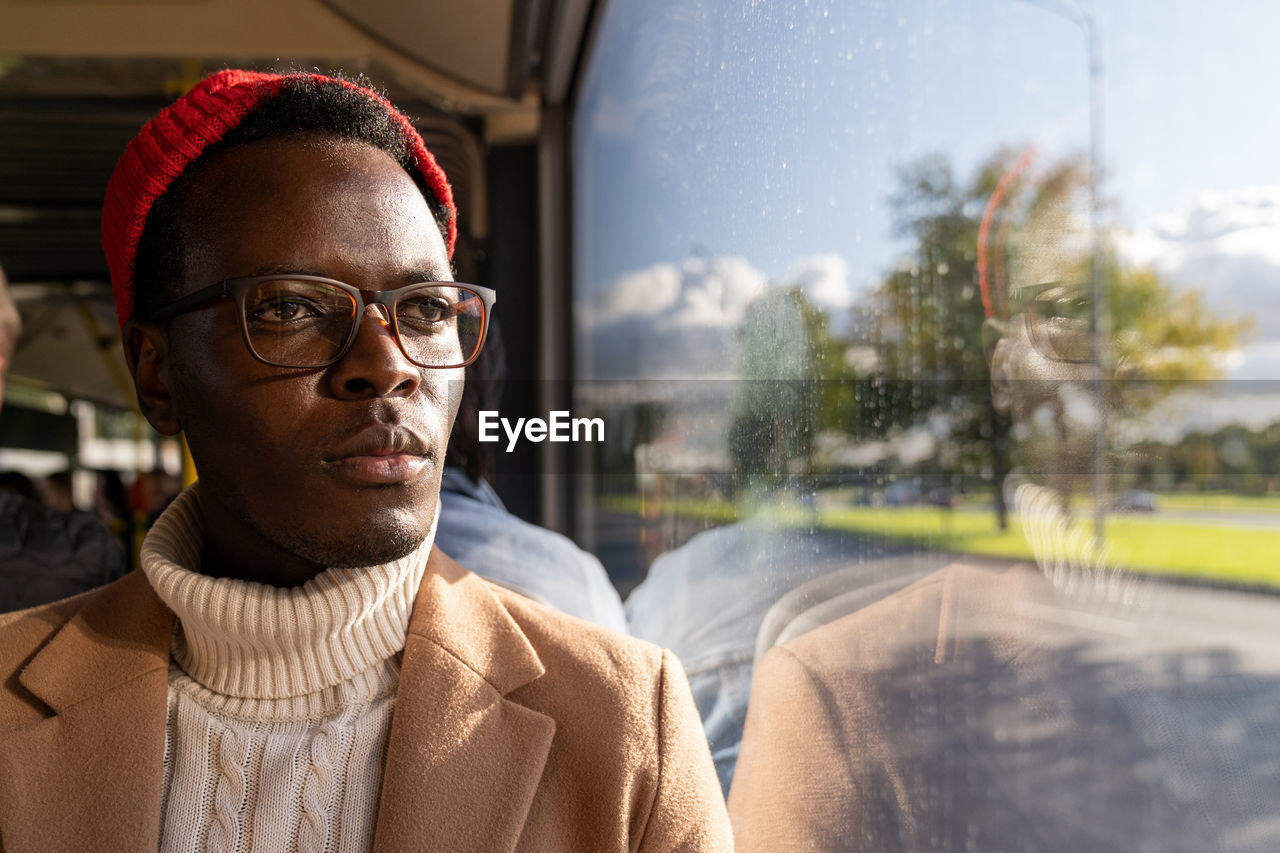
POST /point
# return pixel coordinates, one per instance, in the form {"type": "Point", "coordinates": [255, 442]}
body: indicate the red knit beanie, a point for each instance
{"type": "Point", "coordinates": [181, 133]}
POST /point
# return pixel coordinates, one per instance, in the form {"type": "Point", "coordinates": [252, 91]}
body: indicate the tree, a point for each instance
{"type": "Point", "coordinates": [793, 385]}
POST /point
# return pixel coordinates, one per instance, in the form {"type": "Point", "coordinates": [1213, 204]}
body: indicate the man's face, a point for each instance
{"type": "Point", "coordinates": [339, 466]}
{"type": "Point", "coordinates": [1052, 401]}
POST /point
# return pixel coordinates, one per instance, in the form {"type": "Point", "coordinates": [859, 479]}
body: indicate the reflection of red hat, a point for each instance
{"type": "Point", "coordinates": [999, 299]}
{"type": "Point", "coordinates": [181, 133]}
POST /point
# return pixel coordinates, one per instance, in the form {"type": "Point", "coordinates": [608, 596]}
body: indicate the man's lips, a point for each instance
{"type": "Point", "coordinates": [380, 454]}
{"type": "Point", "coordinates": [378, 470]}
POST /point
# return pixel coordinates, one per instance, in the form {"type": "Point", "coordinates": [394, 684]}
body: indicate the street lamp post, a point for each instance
{"type": "Point", "coordinates": [1099, 318]}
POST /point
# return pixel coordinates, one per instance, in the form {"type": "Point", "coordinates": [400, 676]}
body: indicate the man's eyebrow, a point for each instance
{"type": "Point", "coordinates": [285, 269]}
{"type": "Point", "coordinates": [411, 277]}
{"type": "Point", "coordinates": [425, 275]}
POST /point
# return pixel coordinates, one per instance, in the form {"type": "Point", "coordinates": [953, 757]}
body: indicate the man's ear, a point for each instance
{"type": "Point", "coordinates": [146, 349]}
{"type": "Point", "coordinates": [996, 347]}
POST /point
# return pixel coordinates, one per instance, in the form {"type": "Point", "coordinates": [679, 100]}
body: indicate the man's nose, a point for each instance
{"type": "Point", "coordinates": [375, 366]}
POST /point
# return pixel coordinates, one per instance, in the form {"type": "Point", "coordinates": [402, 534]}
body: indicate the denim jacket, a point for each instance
{"type": "Point", "coordinates": [478, 532]}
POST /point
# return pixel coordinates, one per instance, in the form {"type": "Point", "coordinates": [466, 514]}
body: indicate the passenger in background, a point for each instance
{"type": "Point", "coordinates": [20, 484]}
{"type": "Point", "coordinates": [55, 490]}
{"type": "Point", "coordinates": [45, 554]}
{"type": "Point", "coordinates": [478, 531]}
{"type": "Point", "coordinates": [111, 506]}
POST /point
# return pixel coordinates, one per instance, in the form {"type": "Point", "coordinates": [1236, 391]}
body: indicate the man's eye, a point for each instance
{"type": "Point", "coordinates": [283, 310]}
{"type": "Point", "coordinates": [427, 309]}
{"type": "Point", "coordinates": [1064, 304]}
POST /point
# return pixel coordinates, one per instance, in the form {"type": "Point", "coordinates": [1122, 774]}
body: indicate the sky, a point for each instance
{"type": "Point", "coordinates": [724, 147]}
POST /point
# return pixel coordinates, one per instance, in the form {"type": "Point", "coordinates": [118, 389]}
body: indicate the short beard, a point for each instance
{"type": "Point", "coordinates": [372, 549]}
{"type": "Point", "coordinates": [355, 550]}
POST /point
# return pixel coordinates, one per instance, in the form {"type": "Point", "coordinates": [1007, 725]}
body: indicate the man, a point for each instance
{"type": "Point", "coordinates": [295, 667]}
{"type": "Point", "coordinates": [45, 553]}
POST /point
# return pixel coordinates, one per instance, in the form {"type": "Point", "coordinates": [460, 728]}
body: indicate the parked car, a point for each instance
{"type": "Point", "coordinates": [902, 493]}
{"type": "Point", "coordinates": [1134, 500]}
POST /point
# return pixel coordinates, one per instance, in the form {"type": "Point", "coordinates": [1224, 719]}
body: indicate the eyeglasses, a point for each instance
{"type": "Point", "coordinates": [1059, 319]}
{"type": "Point", "coordinates": [308, 321]}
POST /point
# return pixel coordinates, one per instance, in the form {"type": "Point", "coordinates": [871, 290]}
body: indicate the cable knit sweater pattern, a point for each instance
{"type": "Point", "coordinates": [280, 700]}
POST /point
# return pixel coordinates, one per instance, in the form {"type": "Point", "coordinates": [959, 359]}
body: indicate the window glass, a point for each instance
{"type": "Point", "coordinates": [932, 342]}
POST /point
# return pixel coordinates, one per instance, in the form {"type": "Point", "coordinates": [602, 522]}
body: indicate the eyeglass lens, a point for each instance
{"type": "Point", "coordinates": [306, 323]}
{"type": "Point", "coordinates": [1060, 323]}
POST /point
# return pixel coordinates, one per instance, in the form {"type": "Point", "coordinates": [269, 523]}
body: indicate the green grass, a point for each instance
{"type": "Point", "coordinates": [1139, 543]}
{"type": "Point", "coordinates": [1231, 554]}
{"type": "Point", "coordinates": [969, 532]}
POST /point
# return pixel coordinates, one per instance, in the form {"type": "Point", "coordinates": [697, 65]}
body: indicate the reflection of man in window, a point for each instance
{"type": "Point", "coordinates": [984, 707]}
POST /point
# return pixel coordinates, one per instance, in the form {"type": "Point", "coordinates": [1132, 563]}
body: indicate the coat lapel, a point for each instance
{"type": "Point", "coordinates": [463, 761]}
{"type": "Point", "coordinates": [89, 777]}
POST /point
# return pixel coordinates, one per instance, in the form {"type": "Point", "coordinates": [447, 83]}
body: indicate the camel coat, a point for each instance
{"type": "Point", "coordinates": [515, 728]}
{"type": "Point", "coordinates": [973, 710]}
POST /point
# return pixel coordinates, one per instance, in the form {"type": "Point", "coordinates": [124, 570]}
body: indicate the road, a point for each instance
{"type": "Point", "coordinates": [1225, 518]}
{"type": "Point", "coordinates": [1180, 618]}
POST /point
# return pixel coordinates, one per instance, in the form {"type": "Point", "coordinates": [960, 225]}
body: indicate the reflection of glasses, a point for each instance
{"type": "Point", "coordinates": [1059, 317]}
{"type": "Point", "coordinates": [308, 321]}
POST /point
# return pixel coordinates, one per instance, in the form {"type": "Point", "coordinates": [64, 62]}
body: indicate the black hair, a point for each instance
{"type": "Point", "coordinates": [303, 104]}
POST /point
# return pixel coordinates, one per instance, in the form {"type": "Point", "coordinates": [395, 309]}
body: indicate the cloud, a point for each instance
{"type": "Point", "coordinates": [1208, 407]}
{"type": "Point", "coordinates": [825, 281]}
{"type": "Point", "coordinates": [670, 321]}
{"type": "Point", "coordinates": [1256, 363]}
{"type": "Point", "coordinates": [646, 293]}
{"type": "Point", "coordinates": [1227, 245]}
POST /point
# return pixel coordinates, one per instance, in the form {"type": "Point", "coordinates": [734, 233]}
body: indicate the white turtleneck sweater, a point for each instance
{"type": "Point", "coordinates": [279, 699]}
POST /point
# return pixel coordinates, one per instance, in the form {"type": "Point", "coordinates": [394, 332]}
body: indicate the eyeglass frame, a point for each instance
{"type": "Point", "coordinates": [237, 288]}
{"type": "Point", "coordinates": [1024, 301]}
